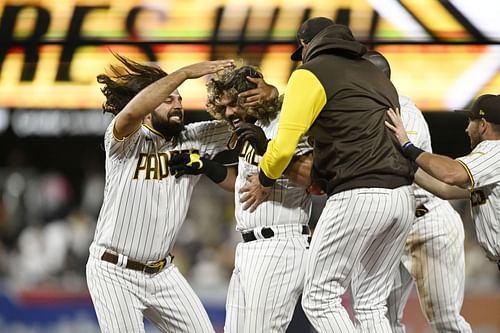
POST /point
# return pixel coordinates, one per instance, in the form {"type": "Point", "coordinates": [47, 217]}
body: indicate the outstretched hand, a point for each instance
{"type": "Point", "coordinates": [397, 126]}
{"type": "Point", "coordinates": [254, 135]}
{"type": "Point", "coordinates": [262, 93]}
{"type": "Point", "coordinates": [206, 67]}
{"type": "Point", "coordinates": [253, 193]}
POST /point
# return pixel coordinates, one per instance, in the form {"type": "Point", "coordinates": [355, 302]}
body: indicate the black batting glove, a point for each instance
{"type": "Point", "coordinates": [254, 135]}
{"type": "Point", "coordinates": [194, 164]}
{"type": "Point", "coordinates": [185, 163]}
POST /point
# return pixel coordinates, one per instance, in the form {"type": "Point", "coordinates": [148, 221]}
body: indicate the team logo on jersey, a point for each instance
{"type": "Point", "coordinates": [477, 197]}
{"type": "Point", "coordinates": [155, 166]}
{"type": "Point", "coordinates": [249, 154]}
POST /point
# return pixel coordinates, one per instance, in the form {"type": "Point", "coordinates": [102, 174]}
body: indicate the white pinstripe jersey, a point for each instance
{"type": "Point", "coordinates": [288, 202]}
{"type": "Point", "coordinates": [144, 206]}
{"type": "Point", "coordinates": [418, 133]}
{"type": "Point", "coordinates": [483, 167]}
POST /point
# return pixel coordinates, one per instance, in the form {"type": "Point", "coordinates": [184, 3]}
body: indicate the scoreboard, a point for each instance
{"type": "Point", "coordinates": [442, 53]}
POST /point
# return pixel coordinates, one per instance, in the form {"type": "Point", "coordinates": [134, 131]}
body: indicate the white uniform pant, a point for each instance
{"type": "Point", "coordinates": [123, 296]}
{"type": "Point", "coordinates": [359, 238]}
{"type": "Point", "coordinates": [267, 281]}
{"type": "Point", "coordinates": [434, 260]}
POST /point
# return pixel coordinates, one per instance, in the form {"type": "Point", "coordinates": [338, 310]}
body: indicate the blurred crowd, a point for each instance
{"type": "Point", "coordinates": [47, 221]}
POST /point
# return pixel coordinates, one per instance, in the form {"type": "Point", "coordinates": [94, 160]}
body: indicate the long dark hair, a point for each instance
{"type": "Point", "coordinates": [125, 82]}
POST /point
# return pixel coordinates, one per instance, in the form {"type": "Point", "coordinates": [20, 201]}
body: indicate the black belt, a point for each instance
{"type": "Point", "coordinates": [152, 268]}
{"type": "Point", "coordinates": [421, 211]}
{"type": "Point", "coordinates": [267, 233]}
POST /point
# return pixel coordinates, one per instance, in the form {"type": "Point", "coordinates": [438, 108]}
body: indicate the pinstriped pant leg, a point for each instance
{"type": "Point", "coordinates": [173, 305]}
{"type": "Point", "coordinates": [114, 294]}
{"type": "Point", "coordinates": [398, 297]}
{"type": "Point", "coordinates": [266, 284]}
{"type": "Point", "coordinates": [436, 254]}
{"type": "Point", "coordinates": [371, 285]}
{"type": "Point", "coordinates": [235, 303]}
{"type": "Point", "coordinates": [273, 282]}
{"type": "Point", "coordinates": [332, 254]}
{"type": "Point", "coordinates": [365, 229]}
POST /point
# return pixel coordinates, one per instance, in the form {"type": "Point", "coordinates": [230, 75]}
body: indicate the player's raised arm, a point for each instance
{"type": "Point", "coordinates": [146, 101]}
{"type": "Point", "coordinates": [441, 167]}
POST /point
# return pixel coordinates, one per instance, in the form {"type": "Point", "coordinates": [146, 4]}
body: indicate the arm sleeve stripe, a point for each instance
{"type": "Point", "coordinates": [125, 137]}
{"type": "Point", "coordinates": [468, 173]}
{"type": "Point", "coordinates": [152, 130]}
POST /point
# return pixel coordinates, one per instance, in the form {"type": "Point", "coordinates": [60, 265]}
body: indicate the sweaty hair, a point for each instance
{"type": "Point", "coordinates": [233, 80]}
{"type": "Point", "coordinates": [125, 82]}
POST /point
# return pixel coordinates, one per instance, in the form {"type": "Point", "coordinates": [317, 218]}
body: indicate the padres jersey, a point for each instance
{"type": "Point", "coordinates": [483, 167]}
{"type": "Point", "coordinates": [418, 133]}
{"type": "Point", "coordinates": [144, 205]}
{"type": "Point", "coordinates": [288, 203]}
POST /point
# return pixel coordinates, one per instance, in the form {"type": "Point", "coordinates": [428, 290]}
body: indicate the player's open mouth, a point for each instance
{"type": "Point", "coordinates": [175, 116]}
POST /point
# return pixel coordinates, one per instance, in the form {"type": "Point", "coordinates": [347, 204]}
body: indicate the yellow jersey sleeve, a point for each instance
{"type": "Point", "coordinates": [304, 99]}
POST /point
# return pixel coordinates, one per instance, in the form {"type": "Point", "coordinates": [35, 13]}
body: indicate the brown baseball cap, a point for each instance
{"type": "Point", "coordinates": [485, 106]}
{"type": "Point", "coordinates": [307, 31]}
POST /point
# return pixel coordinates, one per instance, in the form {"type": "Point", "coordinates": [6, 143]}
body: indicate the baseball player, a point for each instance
{"type": "Point", "coordinates": [434, 253]}
{"type": "Point", "coordinates": [130, 273]}
{"type": "Point", "coordinates": [339, 99]}
{"type": "Point", "coordinates": [268, 273]}
{"type": "Point", "coordinates": [475, 176]}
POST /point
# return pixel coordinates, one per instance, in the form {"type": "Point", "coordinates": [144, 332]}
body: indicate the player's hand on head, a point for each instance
{"type": "Point", "coordinates": [254, 135]}
{"type": "Point", "coordinates": [253, 193]}
{"type": "Point", "coordinates": [396, 125]}
{"type": "Point", "coordinates": [185, 163]}
{"type": "Point", "coordinates": [262, 93]}
{"type": "Point", "coordinates": [206, 67]}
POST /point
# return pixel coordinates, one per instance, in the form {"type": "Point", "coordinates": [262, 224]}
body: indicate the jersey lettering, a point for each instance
{"type": "Point", "coordinates": [249, 155]}
{"type": "Point", "coordinates": [155, 166]}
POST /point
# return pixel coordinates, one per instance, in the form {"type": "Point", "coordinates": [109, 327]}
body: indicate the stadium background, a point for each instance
{"type": "Point", "coordinates": [443, 54]}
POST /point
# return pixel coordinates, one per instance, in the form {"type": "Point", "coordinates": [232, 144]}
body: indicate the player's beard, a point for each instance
{"type": "Point", "coordinates": [169, 129]}
{"type": "Point", "coordinates": [474, 140]}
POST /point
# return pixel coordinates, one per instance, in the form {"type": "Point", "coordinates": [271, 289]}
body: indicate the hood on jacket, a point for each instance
{"type": "Point", "coordinates": [336, 39]}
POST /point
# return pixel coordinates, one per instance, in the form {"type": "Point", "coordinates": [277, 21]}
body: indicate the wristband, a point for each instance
{"type": "Point", "coordinates": [411, 152]}
{"type": "Point", "coordinates": [265, 180]}
{"type": "Point", "coordinates": [406, 144]}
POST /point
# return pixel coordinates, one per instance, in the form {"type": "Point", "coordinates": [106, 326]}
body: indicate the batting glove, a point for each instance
{"type": "Point", "coordinates": [194, 164]}
{"type": "Point", "coordinates": [254, 135]}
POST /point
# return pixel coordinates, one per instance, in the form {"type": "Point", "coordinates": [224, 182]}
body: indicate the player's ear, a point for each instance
{"type": "Point", "coordinates": [483, 124]}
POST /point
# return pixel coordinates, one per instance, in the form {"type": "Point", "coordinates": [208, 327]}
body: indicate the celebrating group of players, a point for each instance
{"type": "Point", "coordinates": [340, 129]}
